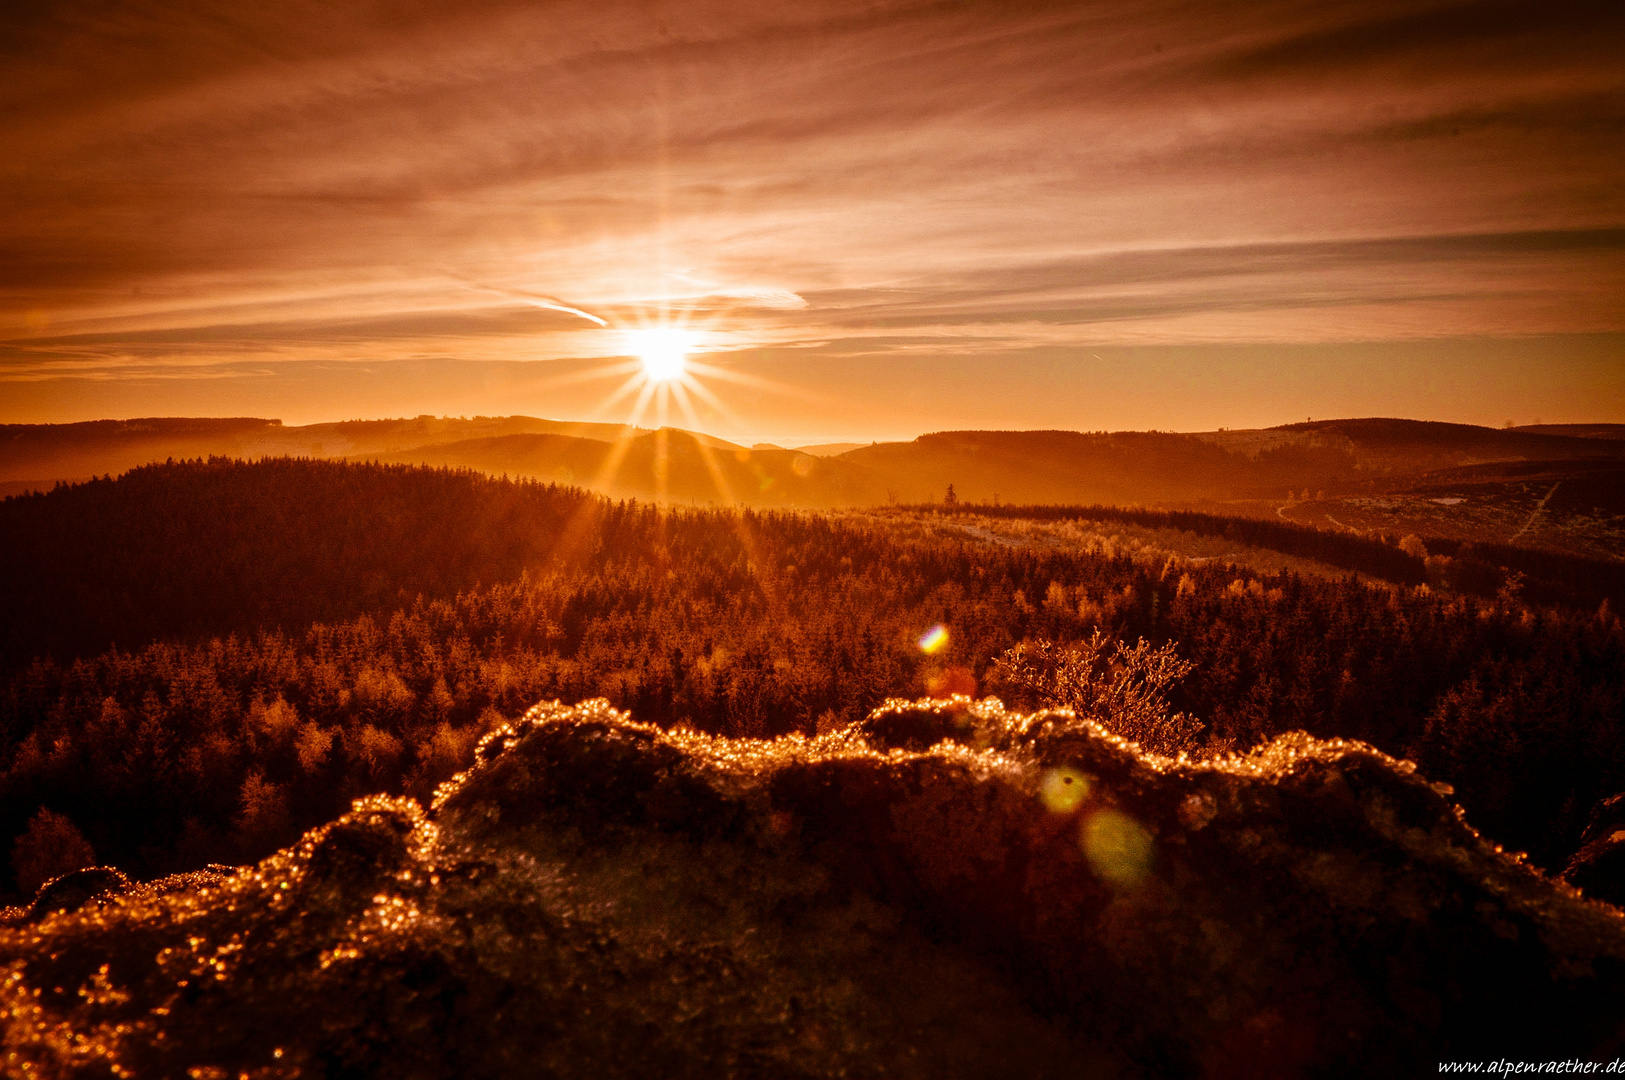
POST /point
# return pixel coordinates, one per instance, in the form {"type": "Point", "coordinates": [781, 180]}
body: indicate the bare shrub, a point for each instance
{"type": "Point", "coordinates": [264, 820]}
{"type": "Point", "coordinates": [1124, 688]}
{"type": "Point", "coordinates": [50, 847]}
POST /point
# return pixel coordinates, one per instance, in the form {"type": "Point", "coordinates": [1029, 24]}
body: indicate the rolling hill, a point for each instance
{"type": "Point", "coordinates": [668, 465]}
{"type": "Point", "coordinates": [1555, 486]}
{"type": "Point", "coordinates": [34, 456]}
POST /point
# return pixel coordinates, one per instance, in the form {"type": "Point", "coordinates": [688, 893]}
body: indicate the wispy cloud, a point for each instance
{"type": "Point", "coordinates": [546, 303]}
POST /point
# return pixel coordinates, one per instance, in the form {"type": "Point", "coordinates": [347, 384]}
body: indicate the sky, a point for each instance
{"type": "Point", "coordinates": [874, 218]}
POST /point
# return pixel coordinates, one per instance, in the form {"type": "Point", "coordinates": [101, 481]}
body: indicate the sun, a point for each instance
{"type": "Point", "coordinates": [663, 352]}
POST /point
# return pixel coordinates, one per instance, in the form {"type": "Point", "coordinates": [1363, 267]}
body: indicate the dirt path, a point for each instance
{"type": "Point", "coordinates": [1538, 508]}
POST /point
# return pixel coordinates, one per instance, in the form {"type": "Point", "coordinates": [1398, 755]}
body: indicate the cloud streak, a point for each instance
{"type": "Point", "coordinates": [546, 303]}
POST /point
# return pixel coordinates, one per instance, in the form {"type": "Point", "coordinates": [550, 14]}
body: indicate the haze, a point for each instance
{"type": "Point", "coordinates": [878, 218]}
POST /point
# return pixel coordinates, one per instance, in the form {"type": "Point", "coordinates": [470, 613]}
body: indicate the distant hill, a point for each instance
{"type": "Point", "coordinates": [38, 455]}
{"type": "Point", "coordinates": [668, 464]}
{"type": "Point", "coordinates": [1384, 445]}
{"type": "Point", "coordinates": [1582, 431]}
{"type": "Point", "coordinates": [1148, 467]}
{"type": "Point", "coordinates": [1054, 466]}
{"type": "Point", "coordinates": [1296, 470]}
{"type": "Point", "coordinates": [829, 449]}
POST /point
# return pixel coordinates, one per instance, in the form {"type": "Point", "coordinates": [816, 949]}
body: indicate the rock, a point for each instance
{"type": "Point", "coordinates": [1598, 868]}
{"type": "Point", "coordinates": [75, 889]}
{"type": "Point", "coordinates": [944, 889]}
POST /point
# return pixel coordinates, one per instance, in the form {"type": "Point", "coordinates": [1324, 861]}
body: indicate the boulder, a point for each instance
{"type": "Point", "coordinates": [75, 889]}
{"type": "Point", "coordinates": [1598, 868]}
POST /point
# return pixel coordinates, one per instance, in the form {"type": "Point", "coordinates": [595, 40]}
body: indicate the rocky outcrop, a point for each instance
{"type": "Point", "coordinates": [944, 889]}
{"type": "Point", "coordinates": [1599, 866]}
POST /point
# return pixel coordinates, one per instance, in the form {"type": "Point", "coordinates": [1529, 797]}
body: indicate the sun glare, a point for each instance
{"type": "Point", "coordinates": [663, 352]}
{"type": "Point", "coordinates": [662, 360]}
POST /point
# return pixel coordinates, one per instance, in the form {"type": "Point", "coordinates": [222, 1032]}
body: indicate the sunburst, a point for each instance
{"type": "Point", "coordinates": [665, 374]}
{"type": "Point", "coordinates": [656, 351]}
{"type": "Point", "coordinates": [663, 352]}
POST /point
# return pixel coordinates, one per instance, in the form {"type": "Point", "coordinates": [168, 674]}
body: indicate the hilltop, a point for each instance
{"type": "Point", "coordinates": [943, 888]}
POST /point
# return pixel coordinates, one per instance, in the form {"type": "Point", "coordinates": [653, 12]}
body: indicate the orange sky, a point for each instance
{"type": "Point", "coordinates": [882, 218]}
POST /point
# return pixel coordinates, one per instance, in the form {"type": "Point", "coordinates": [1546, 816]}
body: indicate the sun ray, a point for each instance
{"type": "Point", "coordinates": [661, 464]}
{"type": "Point", "coordinates": [612, 461]}
{"type": "Point", "coordinates": [704, 394]}
{"type": "Point", "coordinates": [708, 457]}
{"type": "Point", "coordinates": [595, 374]}
{"type": "Point", "coordinates": [626, 389]}
{"type": "Point", "coordinates": [646, 393]}
{"type": "Point", "coordinates": [708, 453]}
{"type": "Point", "coordinates": [757, 382]}
{"type": "Point", "coordinates": [679, 395]}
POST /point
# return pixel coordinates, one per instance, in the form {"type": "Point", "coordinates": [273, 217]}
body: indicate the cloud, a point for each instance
{"type": "Point", "coordinates": [321, 181]}
{"type": "Point", "coordinates": [546, 303]}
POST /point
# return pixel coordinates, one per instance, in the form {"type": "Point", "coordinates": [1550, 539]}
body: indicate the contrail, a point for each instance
{"type": "Point", "coordinates": [548, 302]}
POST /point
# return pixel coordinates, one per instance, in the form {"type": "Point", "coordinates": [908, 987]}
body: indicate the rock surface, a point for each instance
{"type": "Point", "coordinates": [945, 889]}
{"type": "Point", "coordinates": [1599, 866]}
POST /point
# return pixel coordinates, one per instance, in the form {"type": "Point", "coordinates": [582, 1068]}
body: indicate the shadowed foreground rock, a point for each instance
{"type": "Point", "coordinates": [945, 889]}
{"type": "Point", "coordinates": [1599, 866]}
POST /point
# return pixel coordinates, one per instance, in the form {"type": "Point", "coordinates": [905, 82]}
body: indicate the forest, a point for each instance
{"type": "Point", "coordinates": [205, 658]}
{"type": "Point", "coordinates": [1477, 569]}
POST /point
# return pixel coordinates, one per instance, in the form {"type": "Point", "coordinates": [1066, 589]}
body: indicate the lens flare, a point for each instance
{"type": "Point", "coordinates": [934, 639]}
{"type": "Point", "coordinates": [1063, 790]}
{"type": "Point", "coordinates": [1119, 848]}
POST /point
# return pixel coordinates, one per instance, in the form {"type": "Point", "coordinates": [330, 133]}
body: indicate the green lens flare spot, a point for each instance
{"type": "Point", "coordinates": [1119, 849]}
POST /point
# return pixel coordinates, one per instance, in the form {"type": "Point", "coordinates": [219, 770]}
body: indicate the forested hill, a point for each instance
{"type": "Point", "coordinates": [1385, 444]}
{"type": "Point", "coordinates": [417, 608]}
{"type": "Point", "coordinates": [199, 548]}
{"type": "Point", "coordinates": [1148, 466]}
{"type": "Point", "coordinates": [38, 455]}
{"type": "Point", "coordinates": [668, 465]}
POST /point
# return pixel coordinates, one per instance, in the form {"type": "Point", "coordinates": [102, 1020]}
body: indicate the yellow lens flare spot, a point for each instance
{"type": "Point", "coordinates": [1119, 848]}
{"type": "Point", "coordinates": [934, 639]}
{"type": "Point", "coordinates": [662, 351]}
{"type": "Point", "coordinates": [1063, 790]}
